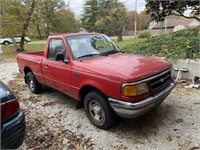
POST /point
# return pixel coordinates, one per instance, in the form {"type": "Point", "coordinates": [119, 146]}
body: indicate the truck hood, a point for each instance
{"type": "Point", "coordinates": [124, 65]}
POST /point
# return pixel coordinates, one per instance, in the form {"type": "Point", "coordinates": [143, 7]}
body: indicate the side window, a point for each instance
{"type": "Point", "coordinates": [56, 46]}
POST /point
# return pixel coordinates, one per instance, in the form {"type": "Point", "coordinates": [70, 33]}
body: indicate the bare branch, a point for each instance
{"type": "Point", "coordinates": [181, 14]}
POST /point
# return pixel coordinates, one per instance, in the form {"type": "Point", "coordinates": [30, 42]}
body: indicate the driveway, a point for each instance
{"type": "Point", "coordinates": [54, 123]}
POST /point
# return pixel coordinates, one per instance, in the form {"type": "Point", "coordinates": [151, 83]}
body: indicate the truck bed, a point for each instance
{"type": "Point", "coordinates": [31, 60]}
{"type": "Point", "coordinates": [39, 53]}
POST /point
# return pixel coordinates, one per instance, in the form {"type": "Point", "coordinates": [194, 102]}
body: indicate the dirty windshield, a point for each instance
{"type": "Point", "coordinates": [91, 45]}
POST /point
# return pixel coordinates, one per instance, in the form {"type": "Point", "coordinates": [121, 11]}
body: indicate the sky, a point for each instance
{"type": "Point", "coordinates": [77, 5]}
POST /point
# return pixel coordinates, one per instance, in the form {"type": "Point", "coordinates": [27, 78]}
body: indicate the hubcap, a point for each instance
{"type": "Point", "coordinates": [31, 84]}
{"type": "Point", "coordinates": [96, 111]}
{"type": "Point", "coordinates": [6, 43]}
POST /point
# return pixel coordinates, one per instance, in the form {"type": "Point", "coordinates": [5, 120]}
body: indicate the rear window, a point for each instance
{"type": "Point", "coordinates": [5, 93]}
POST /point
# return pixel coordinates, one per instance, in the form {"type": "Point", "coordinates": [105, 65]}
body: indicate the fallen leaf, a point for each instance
{"type": "Point", "coordinates": [179, 120]}
{"type": "Point", "coordinates": [169, 137]}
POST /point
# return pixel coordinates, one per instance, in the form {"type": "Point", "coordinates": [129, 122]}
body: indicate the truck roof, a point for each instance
{"type": "Point", "coordinates": [71, 34]}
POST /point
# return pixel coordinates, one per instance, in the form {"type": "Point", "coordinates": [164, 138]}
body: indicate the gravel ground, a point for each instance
{"type": "Point", "coordinates": [54, 123]}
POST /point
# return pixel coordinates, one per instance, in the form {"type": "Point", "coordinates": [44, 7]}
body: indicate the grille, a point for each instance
{"type": "Point", "coordinates": [160, 81]}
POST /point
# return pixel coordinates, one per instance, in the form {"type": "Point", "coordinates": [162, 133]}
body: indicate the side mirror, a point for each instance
{"type": "Point", "coordinates": [59, 56]}
{"type": "Point", "coordinates": [66, 61]}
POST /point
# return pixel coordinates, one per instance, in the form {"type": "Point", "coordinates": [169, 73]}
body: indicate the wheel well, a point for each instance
{"type": "Point", "coordinates": [26, 70]}
{"type": "Point", "coordinates": [6, 41]}
{"type": "Point", "coordinates": [85, 90]}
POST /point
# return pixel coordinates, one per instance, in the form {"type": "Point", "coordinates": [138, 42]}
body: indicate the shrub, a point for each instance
{"type": "Point", "coordinates": [144, 34]}
{"type": "Point", "coordinates": [179, 45]}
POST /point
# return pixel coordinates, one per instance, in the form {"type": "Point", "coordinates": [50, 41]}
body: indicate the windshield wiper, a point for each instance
{"type": "Point", "coordinates": [87, 55]}
{"type": "Point", "coordinates": [111, 52]}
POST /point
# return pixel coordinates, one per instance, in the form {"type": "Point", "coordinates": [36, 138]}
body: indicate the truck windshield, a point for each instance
{"type": "Point", "coordinates": [91, 45]}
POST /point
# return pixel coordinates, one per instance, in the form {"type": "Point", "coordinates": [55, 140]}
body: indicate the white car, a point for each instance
{"type": "Point", "coordinates": [7, 41]}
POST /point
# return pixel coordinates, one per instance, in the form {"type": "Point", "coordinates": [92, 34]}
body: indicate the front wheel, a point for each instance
{"type": "Point", "coordinates": [34, 86]}
{"type": "Point", "coordinates": [99, 110]}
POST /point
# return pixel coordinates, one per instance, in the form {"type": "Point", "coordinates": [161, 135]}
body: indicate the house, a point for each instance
{"type": "Point", "coordinates": [172, 25]}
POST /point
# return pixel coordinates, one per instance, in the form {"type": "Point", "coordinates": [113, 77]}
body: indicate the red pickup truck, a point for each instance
{"type": "Point", "coordinates": [91, 69]}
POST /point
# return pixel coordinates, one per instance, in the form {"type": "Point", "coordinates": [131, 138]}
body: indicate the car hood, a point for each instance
{"type": "Point", "coordinates": [124, 65]}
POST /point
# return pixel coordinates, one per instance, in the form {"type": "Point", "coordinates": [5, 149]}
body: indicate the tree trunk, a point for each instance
{"type": "Point", "coordinates": [39, 32]}
{"type": "Point", "coordinates": [119, 35]}
{"type": "Point", "coordinates": [15, 44]}
{"type": "Point", "coordinates": [26, 24]}
{"type": "Point", "coordinates": [21, 46]}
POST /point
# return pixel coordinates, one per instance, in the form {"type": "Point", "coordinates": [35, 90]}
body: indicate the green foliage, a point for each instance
{"type": "Point", "coordinates": [15, 19]}
{"type": "Point", "coordinates": [179, 45]}
{"type": "Point", "coordinates": [13, 16]}
{"type": "Point", "coordinates": [158, 10]}
{"type": "Point", "coordinates": [104, 16]}
{"type": "Point", "coordinates": [49, 16]}
{"type": "Point", "coordinates": [52, 16]}
{"type": "Point", "coordinates": [90, 15]}
{"type": "Point", "coordinates": [144, 34]}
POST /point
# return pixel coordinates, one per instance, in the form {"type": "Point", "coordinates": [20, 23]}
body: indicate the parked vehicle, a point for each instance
{"type": "Point", "coordinates": [7, 41]}
{"type": "Point", "coordinates": [91, 69]}
{"type": "Point", "coordinates": [12, 120]}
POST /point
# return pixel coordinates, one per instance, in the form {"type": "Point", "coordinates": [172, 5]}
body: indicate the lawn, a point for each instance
{"type": "Point", "coordinates": [9, 51]}
{"type": "Point", "coordinates": [126, 41]}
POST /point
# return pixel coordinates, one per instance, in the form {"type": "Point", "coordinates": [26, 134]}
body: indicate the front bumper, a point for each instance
{"type": "Point", "coordinates": [13, 132]}
{"type": "Point", "coordinates": [132, 110]}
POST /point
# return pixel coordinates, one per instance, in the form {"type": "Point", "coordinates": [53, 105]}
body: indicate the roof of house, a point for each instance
{"type": "Point", "coordinates": [171, 23]}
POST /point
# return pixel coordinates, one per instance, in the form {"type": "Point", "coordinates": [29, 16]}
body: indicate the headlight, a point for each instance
{"type": "Point", "coordinates": [135, 90]}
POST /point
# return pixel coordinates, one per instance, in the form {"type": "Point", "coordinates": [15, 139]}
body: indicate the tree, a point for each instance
{"type": "Point", "coordinates": [53, 16]}
{"type": "Point", "coordinates": [114, 22]}
{"type": "Point", "coordinates": [46, 12]}
{"type": "Point", "coordinates": [131, 19]}
{"type": "Point", "coordinates": [158, 10]}
{"type": "Point", "coordinates": [64, 22]}
{"type": "Point", "coordinates": [90, 15]}
{"type": "Point", "coordinates": [107, 16]}
{"type": "Point", "coordinates": [143, 20]}
{"type": "Point", "coordinates": [16, 17]}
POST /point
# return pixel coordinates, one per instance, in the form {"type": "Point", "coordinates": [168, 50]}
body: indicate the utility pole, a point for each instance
{"type": "Point", "coordinates": [135, 18]}
{"type": "Point", "coordinates": [166, 25]}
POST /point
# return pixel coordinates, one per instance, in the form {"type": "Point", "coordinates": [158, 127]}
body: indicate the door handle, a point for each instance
{"type": "Point", "coordinates": [76, 74]}
{"type": "Point", "coordinates": [46, 65]}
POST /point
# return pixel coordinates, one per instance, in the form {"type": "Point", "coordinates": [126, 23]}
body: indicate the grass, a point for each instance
{"type": "Point", "coordinates": [37, 45]}
{"type": "Point", "coordinates": [9, 51]}
{"type": "Point", "coordinates": [126, 41]}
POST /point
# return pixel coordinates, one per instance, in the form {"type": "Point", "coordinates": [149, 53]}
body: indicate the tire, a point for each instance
{"type": "Point", "coordinates": [99, 110]}
{"type": "Point", "coordinates": [33, 85]}
{"type": "Point", "coordinates": [6, 43]}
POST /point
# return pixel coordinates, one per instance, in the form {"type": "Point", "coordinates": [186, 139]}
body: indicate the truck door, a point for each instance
{"type": "Point", "coordinates": [57, 74]}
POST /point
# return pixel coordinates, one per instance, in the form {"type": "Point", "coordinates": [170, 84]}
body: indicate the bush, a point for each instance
{"type": "Point", "coordinates": [145, 34]}
{"type": "Point", "coordinates": [179, 45]}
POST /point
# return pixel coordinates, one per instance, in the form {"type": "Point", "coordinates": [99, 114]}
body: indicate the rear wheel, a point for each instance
{"type": "Point", "coordinates": [33, 84]}
{"type": "Point", "coordinates": [99, 110]}
{"type": "Point", "coordinates": [6, 43]}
